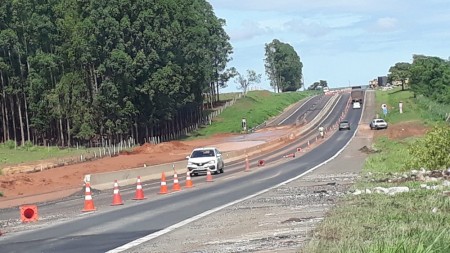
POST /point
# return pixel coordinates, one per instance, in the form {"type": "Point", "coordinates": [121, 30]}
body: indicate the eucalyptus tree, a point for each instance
{"type": "Point", "coordinates": [283, 66]}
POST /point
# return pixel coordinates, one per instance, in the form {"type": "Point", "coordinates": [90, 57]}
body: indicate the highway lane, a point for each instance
{"type": "Point", "coordinates": [307, 111]}
{"type": "Point", "coordinates": [99, 232]}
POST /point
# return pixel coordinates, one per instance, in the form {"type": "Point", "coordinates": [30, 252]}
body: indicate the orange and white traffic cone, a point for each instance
{"type": "Point", "coordinates": [163, 189]}
{"type": "Point", "coordinates": [176, 185]}
{"type": "Point", "coordinates": [117, 199]}
{"type": "Point", "coordinates": [209, 177]}
{"type": "Point", "coordinates": [247, 164]}
{"type": "Point", "coordinates": [88, 201]}
{"type": "Point", "coordinates": [189, 183]}
{"type": "Point", "coordinates": [139, 191]}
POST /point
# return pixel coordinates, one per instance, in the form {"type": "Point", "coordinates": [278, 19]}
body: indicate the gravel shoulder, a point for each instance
{"type": "Point", "coordinates": [280, 220]}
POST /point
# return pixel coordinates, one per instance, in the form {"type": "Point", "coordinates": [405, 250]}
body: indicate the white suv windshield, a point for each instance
{"type": "Point", "coordinates": [202, 153]}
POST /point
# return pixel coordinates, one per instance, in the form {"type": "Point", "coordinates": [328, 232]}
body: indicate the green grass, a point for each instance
{"type": "Point", "coordinates": [228, 96]}
{"type": "Point", "coordinates": [380, 223]}
{"type": "Point", "coordinates": [384, 161]}
{"type": "Point", "coordinates": [11, 156]}
{"type": "Point", "coordinates": [391, 99]}
{"type": "Point", "coordinates": [414, 109]}
{"type": "Point", "coordinates": [256, 107]}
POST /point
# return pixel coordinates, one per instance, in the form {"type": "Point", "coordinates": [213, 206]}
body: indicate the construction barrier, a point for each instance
{"type": "Point", "coordinates": [88, 201]}
{"type": "Point", "coordinates": [28, 213]}
{"type": "Point", "coordinates": [209, 177]}
{"type": "Point", "coordinates": [176, 185]}
{"type": "Point", "coordinates": [117, 199]}
{"type": "Point", "coordinates": [189, 183]}
{"type": "Point", "coordinates": [163, 189]}
{"type": "Point", "coordinates": [139, 195]}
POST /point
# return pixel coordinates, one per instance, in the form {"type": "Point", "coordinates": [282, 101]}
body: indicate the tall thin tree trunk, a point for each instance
{"type": "Point", "coordinates": [62, 131]}
{"type": "Point", "coordinates": [4, 109]}
{"type": "Point", "coordinates": [137, 130]}
{"type": "Point", "coordinates": [26, 117]}
{"type": "Point", "coordinates": [22, 128]}
{"type": "Point", "coordinates": [217, 92]}
{"type": "Point", "coordinates": [11, 103]}
{"type": "Point", "coordinates": [211, 96]}
{"type": "Point", "coordinates": [68, 133]}
{"type": "Point", "coordinates": [94, 77]}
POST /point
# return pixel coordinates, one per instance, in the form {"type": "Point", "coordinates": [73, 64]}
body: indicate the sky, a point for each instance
{"type": "Point", "coordinates": [344, 42]}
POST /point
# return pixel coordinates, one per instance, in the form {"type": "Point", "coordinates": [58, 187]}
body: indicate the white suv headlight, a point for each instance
{"type": "Point", "coordinates": [212, 162]}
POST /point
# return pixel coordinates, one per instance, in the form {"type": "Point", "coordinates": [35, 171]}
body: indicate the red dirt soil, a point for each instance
{"type": "Point", "coordinates": [18, 185]}
{"type": "Point", "coordinates": [403, 130]}
{"type": "Point", "coordinates": [71, 176]}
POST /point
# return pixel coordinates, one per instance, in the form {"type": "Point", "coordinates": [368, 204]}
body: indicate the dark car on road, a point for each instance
{"type": "Point", "coordinates": [344, 125]}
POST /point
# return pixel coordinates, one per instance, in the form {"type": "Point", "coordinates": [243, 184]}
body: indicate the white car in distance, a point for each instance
{"type": "Point", "coordinates": [204, 159]}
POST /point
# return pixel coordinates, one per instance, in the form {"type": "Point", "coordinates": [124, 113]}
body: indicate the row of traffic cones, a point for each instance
{"type": "Point", "coordinates": [176, 184]}
{"type": "Point", "coordinates": [139, 195]}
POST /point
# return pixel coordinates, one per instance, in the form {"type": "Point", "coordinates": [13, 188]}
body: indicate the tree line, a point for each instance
{"type": "Point", "coordinates": [426, 75]}
{"type": "Point", "coordinates": [84, 70]}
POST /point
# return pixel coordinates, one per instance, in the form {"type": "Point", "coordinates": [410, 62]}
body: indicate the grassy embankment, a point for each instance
{"type": "Point", "coordinates": [11, 154]}
{"type": "Point", "coordinates": [256, 107]}
{"type": "Point", "coordinates": [416, 221]}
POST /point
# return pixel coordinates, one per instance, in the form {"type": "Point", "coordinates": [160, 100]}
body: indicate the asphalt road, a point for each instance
{"type": "Point", "coordinates": [306, 112]}
{"type": "Point", "coordinates": [110, 228]}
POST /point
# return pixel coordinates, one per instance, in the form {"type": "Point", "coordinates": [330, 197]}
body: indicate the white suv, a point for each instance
{"type": "Point", "coordinates": [378, 124]}
{"type": "Point", "coordinates": [202, 159]}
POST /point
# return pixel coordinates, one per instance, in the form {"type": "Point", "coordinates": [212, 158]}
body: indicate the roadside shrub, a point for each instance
{"type": "Point", "coordinates": [28, 145]}
{"type": "Point", "coordinates": [10, 144]}
{"type": "Point", "coordinates": [432, 151]}
{"type": "Point", "coordinates": [431, 109]}
{"type": "Point", "coordinates": [1, 194]}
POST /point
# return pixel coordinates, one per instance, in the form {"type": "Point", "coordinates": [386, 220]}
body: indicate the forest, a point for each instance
{"type": "Point", "coordinates": [84, 71]}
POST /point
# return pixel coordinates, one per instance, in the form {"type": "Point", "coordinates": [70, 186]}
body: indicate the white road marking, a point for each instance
{"type": "Point", "coordinates": [204, 214]}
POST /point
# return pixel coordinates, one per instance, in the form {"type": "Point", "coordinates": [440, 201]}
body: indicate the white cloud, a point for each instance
{"type": "Point", "coordinates": [385, 24]}
{"type": "Point", "coordinates": [248, 30]}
